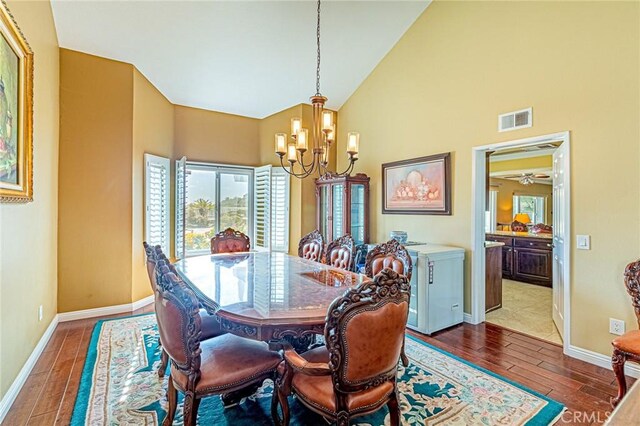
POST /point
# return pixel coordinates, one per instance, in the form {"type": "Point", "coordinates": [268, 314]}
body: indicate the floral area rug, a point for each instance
{"type": "Point", "coordinates": [120, 386]}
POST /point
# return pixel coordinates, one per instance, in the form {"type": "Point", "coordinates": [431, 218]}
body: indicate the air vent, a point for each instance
{"type": "Point", "coordinates": [515, 120]}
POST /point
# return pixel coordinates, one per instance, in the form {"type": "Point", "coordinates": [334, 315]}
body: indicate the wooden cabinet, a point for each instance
{"type": "Point", "coordinates": [493, 278]}
{"type": "Point", "coordinates": [526, 259]}
{"type": "Point", "coordinates": [343, 207]}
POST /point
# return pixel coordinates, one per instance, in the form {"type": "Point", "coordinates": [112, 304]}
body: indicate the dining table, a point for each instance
{"type": "Point", "coordinates": [265, 295]}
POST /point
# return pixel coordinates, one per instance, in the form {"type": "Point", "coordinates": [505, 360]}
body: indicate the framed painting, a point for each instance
{"type": "Point", "coordinates": [417, 186]}
{"type": "Point", "coordinates": [16, 112]}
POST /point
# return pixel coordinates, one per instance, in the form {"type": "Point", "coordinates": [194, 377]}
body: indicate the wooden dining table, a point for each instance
{"type": "Point", "coordinates": [267, 296]}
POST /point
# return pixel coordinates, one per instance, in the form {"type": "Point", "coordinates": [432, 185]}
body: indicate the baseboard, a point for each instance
{"type": "Point", "coordinates": [14, 389]}
{"type": "Point", "coordinates": [107, 310]}
{"type": "Point", "coordinates": [468, 318]}
{"type": "Point", "coordinates": [601, 360]}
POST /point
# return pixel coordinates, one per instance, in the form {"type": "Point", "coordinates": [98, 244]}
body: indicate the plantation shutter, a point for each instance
{"type": "Point", "coordinates": [181, 197]}
{"type": "Point", "coordinates": [262, 203]}
{"type": "Point", "coordinates": [279, 210]}
{"type": "Point", "coordinates": [271, 217]}
{"type": "Point", "coordinates": [157, 210]}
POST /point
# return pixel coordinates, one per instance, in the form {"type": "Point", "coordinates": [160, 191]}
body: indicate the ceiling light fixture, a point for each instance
{"type": "Point", "coordinates": [323, 135]}
{"type": "Point", "coordinates": [526, 180]}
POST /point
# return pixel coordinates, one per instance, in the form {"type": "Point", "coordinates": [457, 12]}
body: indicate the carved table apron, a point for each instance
{"type": "Point", "coordinates": [267, 296]}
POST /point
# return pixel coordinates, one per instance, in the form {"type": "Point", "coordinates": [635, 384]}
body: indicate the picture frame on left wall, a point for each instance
{"type": "Point", "coordinates": [16, 112]}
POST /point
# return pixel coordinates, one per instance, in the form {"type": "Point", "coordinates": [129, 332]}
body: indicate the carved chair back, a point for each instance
{"type": "Point", "coordinates": [179, 323]}
{"type": "Point", "coordinates": [632, 282]}
{"type": "Point", "coordinates": [388, 255]}
{"type": "Point", "coordinates": [340, 252]}
{"type": "Point", "coordinates": [230, 241]}
{"type": "Point", "coordinates": [358, 357]}
{"type": "Point", "coordinates": [311, 246]}
{"type": "Point", "coordinates": [151, 263]}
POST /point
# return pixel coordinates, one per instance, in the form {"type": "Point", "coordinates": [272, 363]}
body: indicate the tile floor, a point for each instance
{"type": "Point", "coordinates": [526, 308]}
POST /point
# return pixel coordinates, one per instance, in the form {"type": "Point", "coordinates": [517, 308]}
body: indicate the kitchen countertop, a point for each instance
{"type": "Point", "coordinates": [520, 234]}
{"type": "Point", "coordinates": [489, 244]}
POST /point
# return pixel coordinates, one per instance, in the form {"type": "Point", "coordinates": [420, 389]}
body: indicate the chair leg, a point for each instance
{"type": "Point", "coordinates": [618, 360]}
{"type": "Point", "coordinates": [172, 396]}
{"type": "Point", "coordinates": [164, 360]}
{"type": "Point", "coordinates": [394, 409]}
{"type": "Point", "coordinates": [342, 419]}
{"type": "Point", "coordinates": [190, 408]}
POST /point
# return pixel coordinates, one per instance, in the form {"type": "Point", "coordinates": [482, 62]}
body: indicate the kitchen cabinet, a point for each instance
{"type": "Point", "coordinates": [493, 276]}
{"type": "Point", "coordinates": [343, 207]}
{"type": "Point", "coordinates": [526, 258]}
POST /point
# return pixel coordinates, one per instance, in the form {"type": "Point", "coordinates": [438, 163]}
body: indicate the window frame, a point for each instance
{"type": "Point", "coordinates": [166, 224]}
{"type": "Point", "coordinates": [542, 210]}
{"type": "Point", "coordinates": [218, 169]}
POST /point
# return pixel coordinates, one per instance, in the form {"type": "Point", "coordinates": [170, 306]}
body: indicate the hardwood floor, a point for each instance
{"type": "Point", "coordinates": [49, 394]}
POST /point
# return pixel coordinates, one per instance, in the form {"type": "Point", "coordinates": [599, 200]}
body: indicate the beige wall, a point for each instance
{"type": "Point", "coordinates": [506, 189]}
{"type": "Point", "coordinates": [215, 137]}
{"type": "Point", "coordinates": [95, 191]}
{"type": "Point", "coordinates": [460, 65]}
{"type": "Point", "coordinates": [153, 134]}
{"type": "Point", "coordinates": [28, 232]}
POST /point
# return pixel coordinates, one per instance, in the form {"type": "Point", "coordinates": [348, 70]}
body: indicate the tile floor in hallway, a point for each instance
{"type": "Point", "coordinates": [526, 308]}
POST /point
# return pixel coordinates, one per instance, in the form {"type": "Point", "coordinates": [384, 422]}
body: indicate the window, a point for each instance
{"type": "Point", "coordinates": [215, 198]}
{"type": "Point", "coordinates": [491, 218]}
{"type": "Point", "coordinates": [156, 200]}
{"type": "Point", "coordinates": [211, 198]}
{"type": "Point", "coordinates": [271, 209]}
{"type": "Point", "coordinates": [533, 205]}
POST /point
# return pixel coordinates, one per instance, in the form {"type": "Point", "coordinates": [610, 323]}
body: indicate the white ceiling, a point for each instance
{"type": "Point", "coordinates": [251, 58]}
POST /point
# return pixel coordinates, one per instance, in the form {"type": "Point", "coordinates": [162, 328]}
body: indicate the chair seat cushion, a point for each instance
{"type": "Point", "coordinates": [210, 325]}
{"type": "Point", "coordinates": [317, 391]}
{"type": "Point", "coordinates": [629, 342]}
{"type": "Point", "coordinates": [228, 362]}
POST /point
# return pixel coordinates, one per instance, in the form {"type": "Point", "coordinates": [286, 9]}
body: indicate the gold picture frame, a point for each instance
{"type": "Point", "coordinates": [16, 112]}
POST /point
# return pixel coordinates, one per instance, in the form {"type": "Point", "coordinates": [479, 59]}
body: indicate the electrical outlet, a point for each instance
{"type": "Point", "coordinates": [40, 313]}
{"type": "Point", "coordinates": [616, 326]}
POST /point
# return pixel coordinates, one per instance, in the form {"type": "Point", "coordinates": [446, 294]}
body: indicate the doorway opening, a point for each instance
{"type": "Point", "coordinates": [520, 224]}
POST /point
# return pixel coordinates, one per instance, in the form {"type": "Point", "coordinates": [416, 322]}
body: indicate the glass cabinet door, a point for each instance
{"type": "Point", "coordinates": [338, 211]}
{"type": "Point", "coordinates": [357, 213]}
{"type": "Point", "coordinates": [324, 210]}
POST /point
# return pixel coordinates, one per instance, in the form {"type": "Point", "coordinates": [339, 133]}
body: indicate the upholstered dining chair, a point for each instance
{"type": "Point", "coordinates": [202, 368]}
{"type": "Point", "coordinates": [209, 323]}
{"type": "Point", "coordinates": [230, 241]}
{"type": "Point", "coordinates": [627, 347]}
{"type": "Point", "coordinates": [339, 253]}
{"type": "Point", "coordinates": [355, 373]}
{"type": "Point", "coordinates": [392, 255]}
{"type": "Point", "coordinates": [311, 246]}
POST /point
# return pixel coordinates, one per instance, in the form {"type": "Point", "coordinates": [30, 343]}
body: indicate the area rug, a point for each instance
{"type": "Point", "coordinates": [120, 386]}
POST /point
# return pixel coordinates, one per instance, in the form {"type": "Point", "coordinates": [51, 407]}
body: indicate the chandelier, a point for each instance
{"type": "Point", "coordinates": [322, 136]}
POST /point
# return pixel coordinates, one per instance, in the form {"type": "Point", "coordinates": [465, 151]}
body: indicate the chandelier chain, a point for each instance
{"type": "Point", "coordinates": [318, 58]}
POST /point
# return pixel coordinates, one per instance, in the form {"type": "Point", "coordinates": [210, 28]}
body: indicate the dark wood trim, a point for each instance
{"type": "Point", "coordinates": [446, 157]}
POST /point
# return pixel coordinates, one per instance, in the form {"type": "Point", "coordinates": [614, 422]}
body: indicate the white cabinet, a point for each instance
{"type": "Point", "coordinates": [437, 287]}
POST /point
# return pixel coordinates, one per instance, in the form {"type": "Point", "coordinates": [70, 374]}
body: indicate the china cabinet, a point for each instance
{"type": "Point", "coordinates": [343, 207]}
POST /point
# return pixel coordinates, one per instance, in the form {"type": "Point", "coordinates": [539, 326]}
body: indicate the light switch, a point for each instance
{"type": "Point", "coordinates": [583, 242]}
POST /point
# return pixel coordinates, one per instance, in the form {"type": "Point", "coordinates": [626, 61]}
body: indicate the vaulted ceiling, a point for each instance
{"type": "Point", "coordinates": [251, 58]}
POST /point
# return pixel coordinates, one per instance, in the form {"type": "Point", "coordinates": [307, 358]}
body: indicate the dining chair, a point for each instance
{"type": "Point", "coordinates": [311, 246]}
{"type": "Point", "coordinates": [356, 372]}
{"type": "Point", "coordinates": [392, 255]}
{"type": "Point", "coordinates": [202, 368]}
{"type": "Point", "coordinates": [230, 241]}
{"type": "Point", "coordinates": [627, 347]}
{"type": "Point", "coordinates": [210, 324]}
{"type": "Point", "coordinates": [339, 253]}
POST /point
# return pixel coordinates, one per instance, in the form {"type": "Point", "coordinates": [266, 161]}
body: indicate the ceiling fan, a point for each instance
{"type": "Point", "coordinates": [527, 178]}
